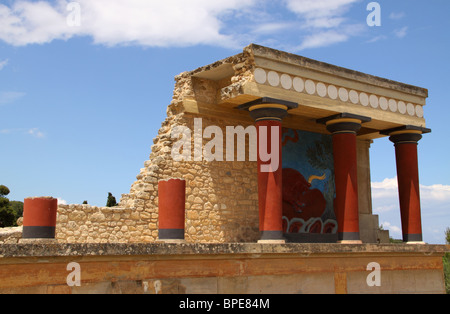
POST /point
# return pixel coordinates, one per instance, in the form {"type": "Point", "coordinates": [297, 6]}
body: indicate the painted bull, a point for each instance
{"type": "Point", "coordinates": [301, 203]}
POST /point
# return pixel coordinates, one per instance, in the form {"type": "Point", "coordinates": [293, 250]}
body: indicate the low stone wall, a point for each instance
{"type": "Point", "coordinates": [90, 224]}
{"type": "Point", "coordinates": [10, 235]}
{"type": "Point", "coordinates": [221, 268]}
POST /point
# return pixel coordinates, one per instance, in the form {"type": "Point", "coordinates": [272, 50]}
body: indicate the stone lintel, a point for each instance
{"type": "Point", "coordinates": [315, 65]}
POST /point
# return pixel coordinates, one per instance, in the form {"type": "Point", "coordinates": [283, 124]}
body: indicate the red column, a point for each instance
{"type": "Point", "coordinates": [406, 143]}
{"type": "Point", "coordinates": [345, 165]}
{"type": "Point", "coordinates": [171, 203]}
{"type": "Point", "coordinates": [39, 218]}
{"type": "Point", "coordinates": [344, 128]}
{"type": "Point", "coordinates": [270, 189]}
{"type": "Point", "coordinates": [268, 114]}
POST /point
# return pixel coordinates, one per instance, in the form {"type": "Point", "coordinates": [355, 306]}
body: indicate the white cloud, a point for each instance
{"type": "Point", "coordinates": [387, 185]}
{"type": "Point", "coordinates": [3, 64]}
{"type": "Point", "coordinates": [10, 97]}
{"type": "Point", "coordinates": [35, 132]}
{"type": "Point", "coordinates": [394, 231]}
{"type": "Point", "coordinates": [33, 23]}
{"type": "Point", "coordinates": [397, 15]}
{"type": "Point", "coordinates": [61, 201]}
{"type": "Point", "coordinates": [386, 208]}
{"type": "Point", "coordinates": [176, 22]}
{"type": "Point", "coordinates": [269, 28]}
{"type": "Point", "coordinates": [323, 39]}
{"type": "Point", "coordinates": [5, 131]}
{"type": "Point", "coordinates": [401, 32]}
{"type": "Point", "coordinates": [376, 38]}
{"type": "Point", "coordinates": [313, 9]}
{"type": "Point", "coordinates": [325, 21]}
{"type": "Point", "coordinates": [121, 22]}
{"type": "Point", "coordinates": [428, 193]}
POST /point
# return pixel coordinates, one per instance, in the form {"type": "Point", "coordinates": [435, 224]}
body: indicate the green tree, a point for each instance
{"type": "Point", "coordinates": [17, 207]}
{"type": "Point", "coordinates": [7, 215]}
{"type": "Point", "coordinates": [4, 191]}
{"type": "Point", "coordinates": [111, 201]}
{"type": "Point", "coordinates": [447, 263]}
{"type": "Point", "coordinates": [447, 236]}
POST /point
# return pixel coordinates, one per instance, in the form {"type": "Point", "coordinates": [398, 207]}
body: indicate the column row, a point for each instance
{"type": "Point", "coordinates": [268, 114]}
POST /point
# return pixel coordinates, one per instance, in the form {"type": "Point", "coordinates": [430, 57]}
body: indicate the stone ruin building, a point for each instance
{"type": "Point", "coordinates": [222, 196]}
{"type": "Point", "coordinates": [322, 119]}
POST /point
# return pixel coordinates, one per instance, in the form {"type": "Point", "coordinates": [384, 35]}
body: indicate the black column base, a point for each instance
{"type": "Point", "coordinates": [30, 232]}
{"type": "Point", "coordinates": [412, 238]}
{"type": "Point", "coordinates": [171, 234]}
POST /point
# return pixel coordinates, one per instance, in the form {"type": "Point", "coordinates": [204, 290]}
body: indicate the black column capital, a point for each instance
{"type": "Point", "coordinates": [406, 134]}
{"type": "Point", "coordinates": [344, 123]}
{"type": "Point", "coordinates": [268, 109]}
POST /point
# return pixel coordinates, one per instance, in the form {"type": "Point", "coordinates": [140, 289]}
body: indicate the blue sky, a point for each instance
{"type": "Point", "coordinates": [80, 103]}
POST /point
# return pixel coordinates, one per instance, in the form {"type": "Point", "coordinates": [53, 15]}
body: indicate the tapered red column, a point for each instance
{"type": "Point", "coordinates": [268, 115]}
{"type": "Point", "coordinates": [270, 188]}
{"type": "Point", "coordinates": [344, 128]}
{"type": "Point", "coordinates": [406, 141]}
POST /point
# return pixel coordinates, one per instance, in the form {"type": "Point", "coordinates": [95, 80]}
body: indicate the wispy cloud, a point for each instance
{"type": "Point", "coordinates": [397, 15]}
{"type": "Point", "coordinates": [10, 97]}
{"type": "Point", "coordinates": [324, 22]}
{"type": "Point", "coordinates": [3, 64]}
{"type": "Point", "coordinates": [318, 9]}
{"type": "Point", "coordinates": [323, 39]}
{"type": "Point", "coordinates": [376, 38]}
{"type": "Point", "coordinates": [401, 32]}
{"type": "Point", "coordinates": [34, 132]}
{"type": "Point", "coordinates": [270, 28]}
{"type": "Point", "coordinates": [6, 131]}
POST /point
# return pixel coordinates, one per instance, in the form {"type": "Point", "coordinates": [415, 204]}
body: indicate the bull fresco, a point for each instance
{"type": "Point", "coordinates": [308, 183]}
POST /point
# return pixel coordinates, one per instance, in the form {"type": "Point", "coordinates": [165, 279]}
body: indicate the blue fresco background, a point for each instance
{"type": "Point", "coordinates": [317, 162]}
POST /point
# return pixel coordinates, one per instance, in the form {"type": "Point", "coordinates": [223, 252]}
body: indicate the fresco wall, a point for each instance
{"type": "Point", "coordinates": [308, 186]}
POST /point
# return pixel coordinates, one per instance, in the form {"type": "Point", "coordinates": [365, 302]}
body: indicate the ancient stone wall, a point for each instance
{"type": "Point", "coordinates": [90, 224]}
{"type": "Point", "coordinates": [221, 196]}
{"type": "Point", "coordinates": [10, 235]}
